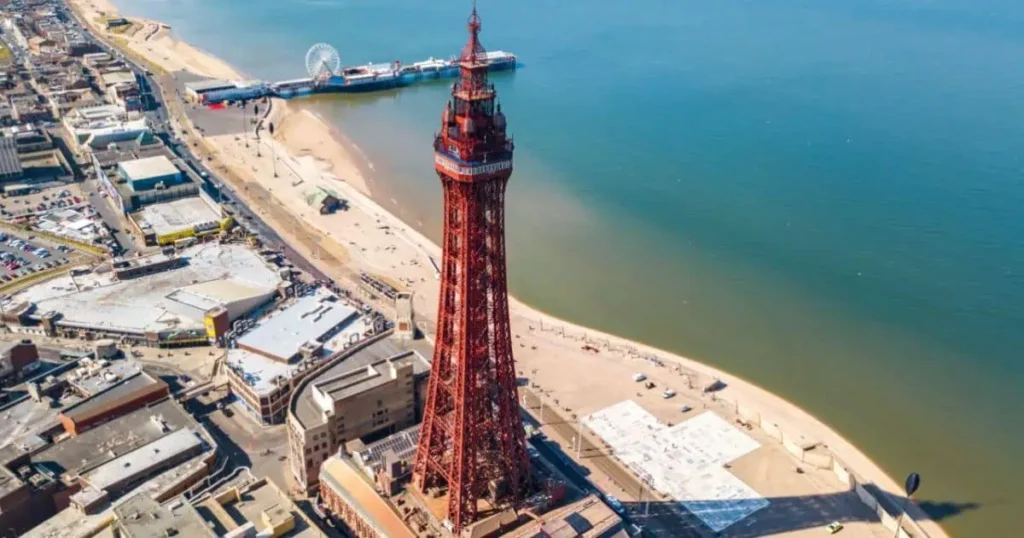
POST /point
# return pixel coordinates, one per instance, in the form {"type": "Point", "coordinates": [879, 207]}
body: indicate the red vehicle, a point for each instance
{"type": "Point", "coordinates": [77, 199]}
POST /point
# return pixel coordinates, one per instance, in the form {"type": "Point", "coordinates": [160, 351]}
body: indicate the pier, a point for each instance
{"type": "Point", "coordinates": [326, 75]}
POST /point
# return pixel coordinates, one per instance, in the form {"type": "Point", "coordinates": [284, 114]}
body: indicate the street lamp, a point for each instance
{"type": "Point", "coordinates": [256, 113]}
{"type": "Point", "coordinates": [273, 154]}
{"type": "Point", "coordinates": [645, 480]}
{"type": "Point", "coordinates": [245, 126]}
{"type": "Point", "coordinates": [579, 437]}
{"type": "Point", "coordinates": [913, 482]}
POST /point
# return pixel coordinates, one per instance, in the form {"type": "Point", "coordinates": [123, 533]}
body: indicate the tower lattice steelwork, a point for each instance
{"type": "Point", "coordinates": [472, 442]}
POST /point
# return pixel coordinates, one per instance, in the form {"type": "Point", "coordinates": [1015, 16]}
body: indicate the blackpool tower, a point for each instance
{"type": "Point", "coordinates": [472, 446]}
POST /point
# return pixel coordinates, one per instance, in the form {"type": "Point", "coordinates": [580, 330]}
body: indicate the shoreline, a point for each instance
{"type": "Point", "coordinates": [354, 174]}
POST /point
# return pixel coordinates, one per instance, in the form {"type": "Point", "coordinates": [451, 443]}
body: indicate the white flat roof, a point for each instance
{"type": "Point", "coordinates": [181, 214]}
{"type": "Point", "coordinates": [118, 77]}
{"type": "Point", "coordinates": [200, 86]}
{"type": "Point", "coordinates": [685, 462]}
{"type": "Point", "coordinates": [312, 317]}
{"type": "Point", "coordinates": [144, 458]}
{"type": "Point", "coordinates": [149, 167]}
{"type": "Point", "coordinates": [259, 372]}
{"type": "Point", "coordinates": [150, 303]}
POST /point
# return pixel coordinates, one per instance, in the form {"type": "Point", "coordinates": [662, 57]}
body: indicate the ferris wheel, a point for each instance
{"type": "Point", "coordinates": [322, 59]}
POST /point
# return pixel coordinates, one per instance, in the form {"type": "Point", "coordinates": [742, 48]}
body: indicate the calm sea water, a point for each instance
{"type": "Point", "coordinates": [822, 197]}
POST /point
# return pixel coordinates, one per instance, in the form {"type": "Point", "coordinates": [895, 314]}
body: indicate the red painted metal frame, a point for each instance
{"type": "Point", "coordinates": [472, 441]}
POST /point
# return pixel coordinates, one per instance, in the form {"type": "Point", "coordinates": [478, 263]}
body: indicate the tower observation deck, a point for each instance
{"type": "Point", "coordinates": [472, 445]}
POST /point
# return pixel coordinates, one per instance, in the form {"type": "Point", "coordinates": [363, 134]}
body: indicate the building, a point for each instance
{"type": "Point", "coordinates": [10, 161]}
{"type": "Point", "coordinates": [196, 90]}
{"type": "Point", "coordinates": [142, 517]}
{"type": "Point", "coordinates": [16, 360]}
{"type": "Point", "coordinates": [165, 223]}
{"type": "Point", "coordinates": [588, 517]}
{"type": "Point", "coordinates": [159, 301]}
{"type": "Point", "coordinates": [106, 163]}
{"type": "Point", "coordinates": [373, 390]}
{"type": "Point", "coordinates": [257, 509]}
{"type": "Point", "coordinates": [128, 390]}
{"type": "Point", "coordinates": [265, 364]}
{"type": "Point", "coordinates": [473, 159]}
{"type": "Point", "coordinates": [98, 126]}
{"type": "Point", "coordinates": [352, 498]}
{"type": "Point", "coordinates": [159, 444]}
{"type": "Point", "coordinates": [150, 173]}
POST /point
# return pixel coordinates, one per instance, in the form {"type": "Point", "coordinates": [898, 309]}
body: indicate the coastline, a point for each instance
{"type": "Point", "coordinates": [315, 148]}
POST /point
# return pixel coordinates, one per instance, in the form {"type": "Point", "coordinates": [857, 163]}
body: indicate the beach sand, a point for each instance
{"type": "Point", "coordinates": [367, 237]}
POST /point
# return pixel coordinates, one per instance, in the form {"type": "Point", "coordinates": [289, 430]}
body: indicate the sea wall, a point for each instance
{"type": "Point", "coordinates": [817, 455]}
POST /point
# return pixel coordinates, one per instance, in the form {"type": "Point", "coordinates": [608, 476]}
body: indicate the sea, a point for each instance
{"type": "Point", "coordinates": [824, 198]}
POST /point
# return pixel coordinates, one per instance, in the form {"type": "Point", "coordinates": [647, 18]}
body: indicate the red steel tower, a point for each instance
{"type": "Point", "coordinates": [472, 443]}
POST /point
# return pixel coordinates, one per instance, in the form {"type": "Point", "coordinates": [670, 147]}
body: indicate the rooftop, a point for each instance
{"type": "Point", "coordinates": [149, 167]}
{"type": "Point", "coordinates": [262, 373]}
{"type": "Point", "coordinates": [685, 461]}
{"type": "Point", "coordinates": [101, 403]}
{"type": "Point", "coordinates": [305, 408]}
{"type": "Point", "coordinates": [145, 458]}
{"type": "Point", "coordinates": [208, 85]}
{"type": "Point", "coordinates": [153, 302]}
{"type": "Point", "coordinates": [361, 379]}
{"type": "Point", "coordinates": [142, 517]}
{"type": "Point", "coordinates": [313, 317]}
{"type": "Point", "coordinates": [398, 447]}
{"type": "Point", "coordinates": [9, 162]}
{"type": "Point", "coordinates": [181, 214]}
{"type": "Point", "coordinates": [262, 504]}
{"type": "Point", "coordinates": [118, 77]}
{"type": "Point", "coordinates": [342, 477]}
{"type": "Point", "coordinates": [97, 446]}
{"type": "Point", "coordinates": [588, 517]}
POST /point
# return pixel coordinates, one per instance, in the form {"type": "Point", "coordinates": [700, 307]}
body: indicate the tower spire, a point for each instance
{"type": "Point", "coordinates": [473, 49]}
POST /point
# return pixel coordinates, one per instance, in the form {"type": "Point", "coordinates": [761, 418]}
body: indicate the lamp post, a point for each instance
{"type": "Point", "coordinates": [256, 113]}
{"type": "Point", "coordinates": [245, 126]}
{"type": "Point", "coordinates": [273, 154]}
{"type": "Point", "coordinates": [913, 482]}
{"type": "Point", "coordinates": [645, 480]}
{"type": "Point", "coordinates": [579, 437]}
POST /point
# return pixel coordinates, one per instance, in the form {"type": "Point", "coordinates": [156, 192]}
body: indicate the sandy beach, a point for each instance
{"type": "Point", "coordinates": [368, 237]}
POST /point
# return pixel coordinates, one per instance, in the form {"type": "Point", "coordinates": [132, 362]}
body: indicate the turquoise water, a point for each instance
{"type": "Point", "coordinates": [824, 199]}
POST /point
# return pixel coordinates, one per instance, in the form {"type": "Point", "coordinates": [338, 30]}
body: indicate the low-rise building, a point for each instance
{"type": "Point", "coordinates": [169, 222]}
{"type": "Point", "coordinates": [103, 463]}
{"type": "Point", "coordinates": [372, 390]}
{"type": "Point", "coordinates": [352, 498]}
{"type": "Point", "coordinates": [266, 363]}
{"type": "Point", "coordinates": [97, 126]}
{"type": "Point", "coordinates": [16, 360]}
{"type": "Point", "coordinates": [259, 509]}
{"type": "Point", "coordinates": [158, 301]}
{"type": "Point", "coordinates": [10, 162]}
{"type": "Point", "coordinates": [195, 90]}
{"type": "Point", "coordinates": [139, 175]}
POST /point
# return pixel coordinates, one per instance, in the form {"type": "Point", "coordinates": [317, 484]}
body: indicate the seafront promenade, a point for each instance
{"type": "Point", "coordinates": [368, 237]}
